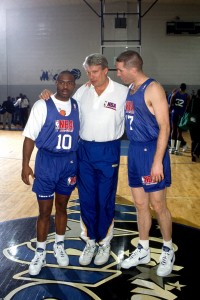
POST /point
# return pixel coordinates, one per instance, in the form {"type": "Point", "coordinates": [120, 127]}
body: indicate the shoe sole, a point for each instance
{"type": "Point", "coordinates": [86, 264]}
{"type": "Point", "coordinates": [36, 273]}
{"type": "Point", "coordinates": [101, 263]}
{"type": "Point", "coordinates": [143, 262]}
{"type": "Point", "coordinates": [166, 274]}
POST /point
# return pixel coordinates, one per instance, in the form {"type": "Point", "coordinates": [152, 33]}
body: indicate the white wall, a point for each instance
{"type": "Point", "coordinates": [33, 40]}
{"type": "Point", "coordinates": [171, 59]}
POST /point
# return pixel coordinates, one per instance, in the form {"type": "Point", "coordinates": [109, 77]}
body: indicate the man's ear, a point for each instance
{"type": "Point", "coordinates": [106, 71]}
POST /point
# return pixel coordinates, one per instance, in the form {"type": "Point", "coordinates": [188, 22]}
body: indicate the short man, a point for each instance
{"type": "Point", "coordinates": [149, 174]}
{"type": "Point", "coordinates": [53, 126]}
{"type": "Point", "coordinates": [101, 105]}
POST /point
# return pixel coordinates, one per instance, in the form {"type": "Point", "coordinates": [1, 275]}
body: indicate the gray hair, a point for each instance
{"type": "Point", "coordinates": [95, 59]}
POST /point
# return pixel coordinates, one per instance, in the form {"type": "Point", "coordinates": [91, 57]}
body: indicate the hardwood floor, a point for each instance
{"type": "Point", "coordinates": [18, 201]}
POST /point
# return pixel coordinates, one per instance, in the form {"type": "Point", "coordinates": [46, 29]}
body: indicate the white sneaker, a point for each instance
{"type": "Point", "coordinates": [88, 253]}
{"type": "Point", "coordinates": [171, 150]}
{"type": "Point", "coordinates": [167, 259]}
{"type": "Point", "coordinates": [102, 255]}
{"type": "Point", "coordinates": [184, 148]}
{"type": "Point", "coordinates": [139, 256]}
{"type": "Point", "coordinates": [37, 262]}
{"type": "Point", "coordinates": [60, 254]}
{"type": "Point", "coordinates": [177, 152]}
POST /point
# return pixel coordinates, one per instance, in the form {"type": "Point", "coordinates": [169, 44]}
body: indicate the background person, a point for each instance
{"type": "Point", "coordinates": [53, 126]}
{"type": "Point", "coordinates": [149, 173]}
{"type": "Point", "coordinates": [7, 116]}
{"type": "Point", "coordinates": [194, 129]}
{"type": "Point", "coordinates": [22, 108]}
{"type": "Point", "coordinates": [178, 105]}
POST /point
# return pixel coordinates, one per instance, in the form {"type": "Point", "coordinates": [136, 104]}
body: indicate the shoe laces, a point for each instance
{"type": "Point", "coordinates": [136, 251]}
{"type": "Point", "coordinates": [101, 250]}
{"type": "Point", "coordinates": [38, 256]}
{"type": "Point", "coordinates": [165, 255]}
{"type": "Point", "coordinates": [60, 248]}
{"type": "Point", "coordinates": [88, 249]}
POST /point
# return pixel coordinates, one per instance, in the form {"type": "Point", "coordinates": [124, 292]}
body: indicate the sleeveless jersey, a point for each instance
{"type": "Point", "coordinates": [180, 103]}
{"type": "Point", "coordinates": [59, 134]}
{"type": "Point", "coordinates": [141, 124]}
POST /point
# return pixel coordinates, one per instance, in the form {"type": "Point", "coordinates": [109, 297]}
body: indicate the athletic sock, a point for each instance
{"type": "Point", "coordinates": [144, 243]}
{"type": "Point", "coordinates": [178, 144]}
{"type": "Point", "coordinates": [41, 245]}
{"type": "Point", "coordinates": [168, 244]}
{"type": "Point", "coordinates": [59, 238]}
{"type": "Point", "coordinates": [172, 143]}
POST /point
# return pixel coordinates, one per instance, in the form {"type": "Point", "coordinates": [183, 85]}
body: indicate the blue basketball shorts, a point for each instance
{"type": "Point", "coordinates": [140, 159]}
{"type": "Point", "coordinates": [54, 173]}
{"type": "Point", "coordinates": [176, 117]}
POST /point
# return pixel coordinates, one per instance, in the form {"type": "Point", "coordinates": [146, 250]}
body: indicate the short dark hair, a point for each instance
{"type": "Point", "coordinates": [130, 59]}
{"type": "Point", "coordinates": [183, 86]}
{"type": "Point", "coordinates": [65, 72]}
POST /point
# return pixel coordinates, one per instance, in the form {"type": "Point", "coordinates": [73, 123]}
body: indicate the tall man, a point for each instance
{"type": "Point", "coordinates": [149, 174]}
{"type": "Point", "coordinates": [53, 126]}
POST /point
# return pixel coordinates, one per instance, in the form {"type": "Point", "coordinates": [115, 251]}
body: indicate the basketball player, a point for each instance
{"type": "Point", "coordinates": [178, 105]}
{"type": "Point", "coordinates": [101, 105]}
{"type": "Point", "coordinates": [147, 128]}
{"type": "Point", "coordinates": [53, 126]}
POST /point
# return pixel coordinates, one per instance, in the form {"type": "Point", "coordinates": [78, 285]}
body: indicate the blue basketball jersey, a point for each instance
{"type": "Point", "coordinates": [141, 124]}
{"type": "Point", "coordinates": [59, 133]}
{"type": "Point", "coordinates": [180, 103]}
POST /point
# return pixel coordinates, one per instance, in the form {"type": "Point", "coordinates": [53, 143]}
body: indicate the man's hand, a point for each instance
{"type": "Point", "coordinates": [157, 173]}
{"type": "Point", "coordinates": [26, 172]}
{"type": "Point", "coordinates": [88, 83]}
{"type": "Point", "coordinates": [45, 94]}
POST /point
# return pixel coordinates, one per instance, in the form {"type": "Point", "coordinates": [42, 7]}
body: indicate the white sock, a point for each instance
{"type": "Point", "coordinates": [91, 242]}
{"type": "Point", "coordinates": [172, 143]}
{"type": "Point", "coordinates": [41, 245]}
{"type": "Point", "coordinates": [144, 243]}
{"type": "Point", "coordinates": [178, 143]}
{"type": "Point", "coordinates": [59, 238]}
{"type": "Point", "coordinates": [168, 244]}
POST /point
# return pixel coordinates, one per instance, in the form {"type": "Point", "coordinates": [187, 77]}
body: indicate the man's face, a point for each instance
{"type": "Point", "coordinates": [65, 86]}
{"type": "Point", "coordinates": [125, 74]}
{"type": "Point", "coordinates": [96, 75]}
